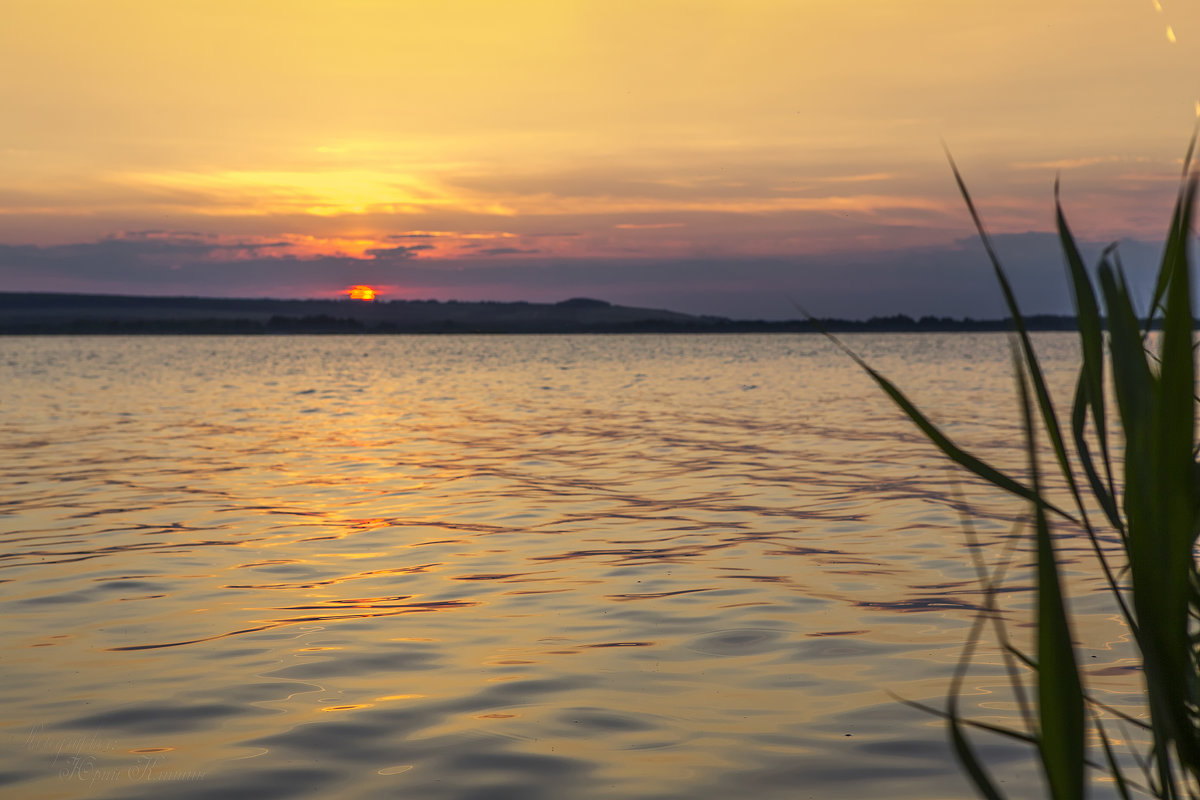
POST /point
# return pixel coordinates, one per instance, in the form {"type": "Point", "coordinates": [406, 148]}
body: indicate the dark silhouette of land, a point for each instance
{"type": "Point", "coordinates": [47, 313]}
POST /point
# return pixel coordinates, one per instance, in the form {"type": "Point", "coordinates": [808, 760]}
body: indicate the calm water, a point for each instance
{"type": "Point", "coordinates": [494, 567]}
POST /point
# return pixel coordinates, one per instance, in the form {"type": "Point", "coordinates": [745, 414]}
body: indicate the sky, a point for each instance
{"type": "Point", "coordinates": [729, 157]}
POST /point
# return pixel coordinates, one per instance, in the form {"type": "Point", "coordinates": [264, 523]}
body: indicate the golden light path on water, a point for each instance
{"type": "Point", "coordinates": [456, 567]}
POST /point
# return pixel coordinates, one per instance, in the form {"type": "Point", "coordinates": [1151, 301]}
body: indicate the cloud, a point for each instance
{"type": "Point", "coordinates": [860, 178]}
{"type": "Point", "coordinates": [397, 252]}
{"type": "Point", "coordinates": [953, 280]}
{"type": "Point", "coordinates": [315, 192]}
{"type": "Point", "coordinates": [178, 242]}
{"type": "Point", "coordinates": [1075, 163]}
{"type": "Point", "coordinates": [505, 251]}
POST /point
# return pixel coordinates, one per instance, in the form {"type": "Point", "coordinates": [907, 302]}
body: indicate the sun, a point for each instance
{"type": "Point", "coordinates": [360, 292]}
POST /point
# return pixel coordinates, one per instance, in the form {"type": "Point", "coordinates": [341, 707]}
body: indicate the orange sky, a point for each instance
{"type": "Point", "coordinates": [468, 130]}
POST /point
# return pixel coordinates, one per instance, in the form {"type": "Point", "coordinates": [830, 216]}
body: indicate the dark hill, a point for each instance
{"type": "Point", "coordinates": [84, 313]}
{"type": "Point", "coordinates": [45, 313]}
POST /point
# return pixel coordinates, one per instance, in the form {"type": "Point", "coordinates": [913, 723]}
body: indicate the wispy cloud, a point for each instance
{"type": "Point", "coordinates": [1077, 163]}
{"type": "Point", "coordinates": [316, 193]}
{"type": "Point", "coordinates": [549, 205]}
{"type": "Point", "coordinates": [863, 178]}
{"type": "Point", "coordinates": [218, 247]}
{"type": "Point", "coordinates": [506, 251]}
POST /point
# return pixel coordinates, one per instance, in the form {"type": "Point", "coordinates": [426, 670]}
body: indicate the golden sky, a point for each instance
{"type": "Point", "coordinates": [465, 130]}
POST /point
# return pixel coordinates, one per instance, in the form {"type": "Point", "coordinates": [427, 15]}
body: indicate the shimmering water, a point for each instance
{"type": "Point", "coordinates": [491, 567]}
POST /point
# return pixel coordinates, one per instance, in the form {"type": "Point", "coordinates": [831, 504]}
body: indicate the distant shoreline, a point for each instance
{"type": "Point", "coordinates": [334, 327]}
{"type": "Point", "coordinates": [41, 314]}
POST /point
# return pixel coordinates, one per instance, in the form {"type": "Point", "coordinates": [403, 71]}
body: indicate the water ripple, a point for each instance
{"type": "Point", "coordinates": [527, 567]}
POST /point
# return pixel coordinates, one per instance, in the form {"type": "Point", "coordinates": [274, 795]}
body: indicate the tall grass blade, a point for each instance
{"type": "Point", "coordinates": [970, 762]}
{"type": "Point", "coordinates": [963, 750]}
{"type": "Point", "coordinates": [943, 442]}
{"type": "Point", "coordinates": [1171, 252]}
{"type": "Point", "coordinates": [1045, 405]}
{"type": "Point", "coordinates": [1091, 337]}
{"type": "Point", "coordinates": [1114, 769]}
{"type": "Point", "coordinates": [1089, 397]}
{"type": "Point", "coordinates": [1105, 495]}
{"type": "Point", "coordinates": [1161, 553]}
{"type": "Point", "coordinates": [1060, 692]}
{"type": "Point", "coordinates": [1132, 377]}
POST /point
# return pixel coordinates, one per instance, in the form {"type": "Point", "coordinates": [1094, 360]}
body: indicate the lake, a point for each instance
{"type": "Point", "coordinates": [502, 566]}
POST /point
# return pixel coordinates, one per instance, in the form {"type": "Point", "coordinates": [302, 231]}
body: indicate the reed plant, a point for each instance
{"type": "Point", "coordinates": [1133, 482]}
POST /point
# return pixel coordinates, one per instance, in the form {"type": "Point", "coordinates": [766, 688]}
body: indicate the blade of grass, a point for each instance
{"type": "Point", "coordinates": [1091, 338]}
{"type": "Point", "coordinates": [1106, 496]}
{"type": "Point", "coordinates": [1114, 769]}
{"type": "Point", "coordinates": [958, 739]}
{"type": "Point", "coordinates": [939, 439]}
{"type": "Point", "coordinates": [1036, 376]}
{"type": "Point", "coordinates": [1162, 554]}
{"type": "Point", "coordinates": [990, 582]}
{"type": "Point", "coordinates": [1171, 252]}
{"type": "Point", "coordinates": [1060, 692]}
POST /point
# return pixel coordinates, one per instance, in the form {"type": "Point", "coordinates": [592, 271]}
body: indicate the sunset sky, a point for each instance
{"type": "Point", "coordinates": [714, 156]}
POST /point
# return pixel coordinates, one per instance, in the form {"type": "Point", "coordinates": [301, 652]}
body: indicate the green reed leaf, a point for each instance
{"type": "Point", "coordinates": [943, 442]}
{"type": "Point", "coordinates": [971, 763]}
{"type": "Point", "coordinates": [1175, 245]}
{"type": "Point", "coordinates": [1114, 769]}
{"type": "Point", "coordinates": [1161, 552]}
{"type": "Point", "coordinates": [1133, 380]}
{"type": "Point", "coordinates": [1059, 688]}
{"type": "Point", "coordinates": [1104, 495]}
{"type": "Point", "coordinates": [1091, 337]}
{"type": "Point", "coordinates": [1037, 378]}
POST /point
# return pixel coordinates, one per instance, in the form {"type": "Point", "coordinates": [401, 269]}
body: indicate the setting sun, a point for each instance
{"type": "Point", "coordinates": [360, 292]}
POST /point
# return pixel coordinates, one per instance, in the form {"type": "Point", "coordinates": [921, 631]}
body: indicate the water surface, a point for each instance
{"type": "Point", "coordinates": [492, 566]}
